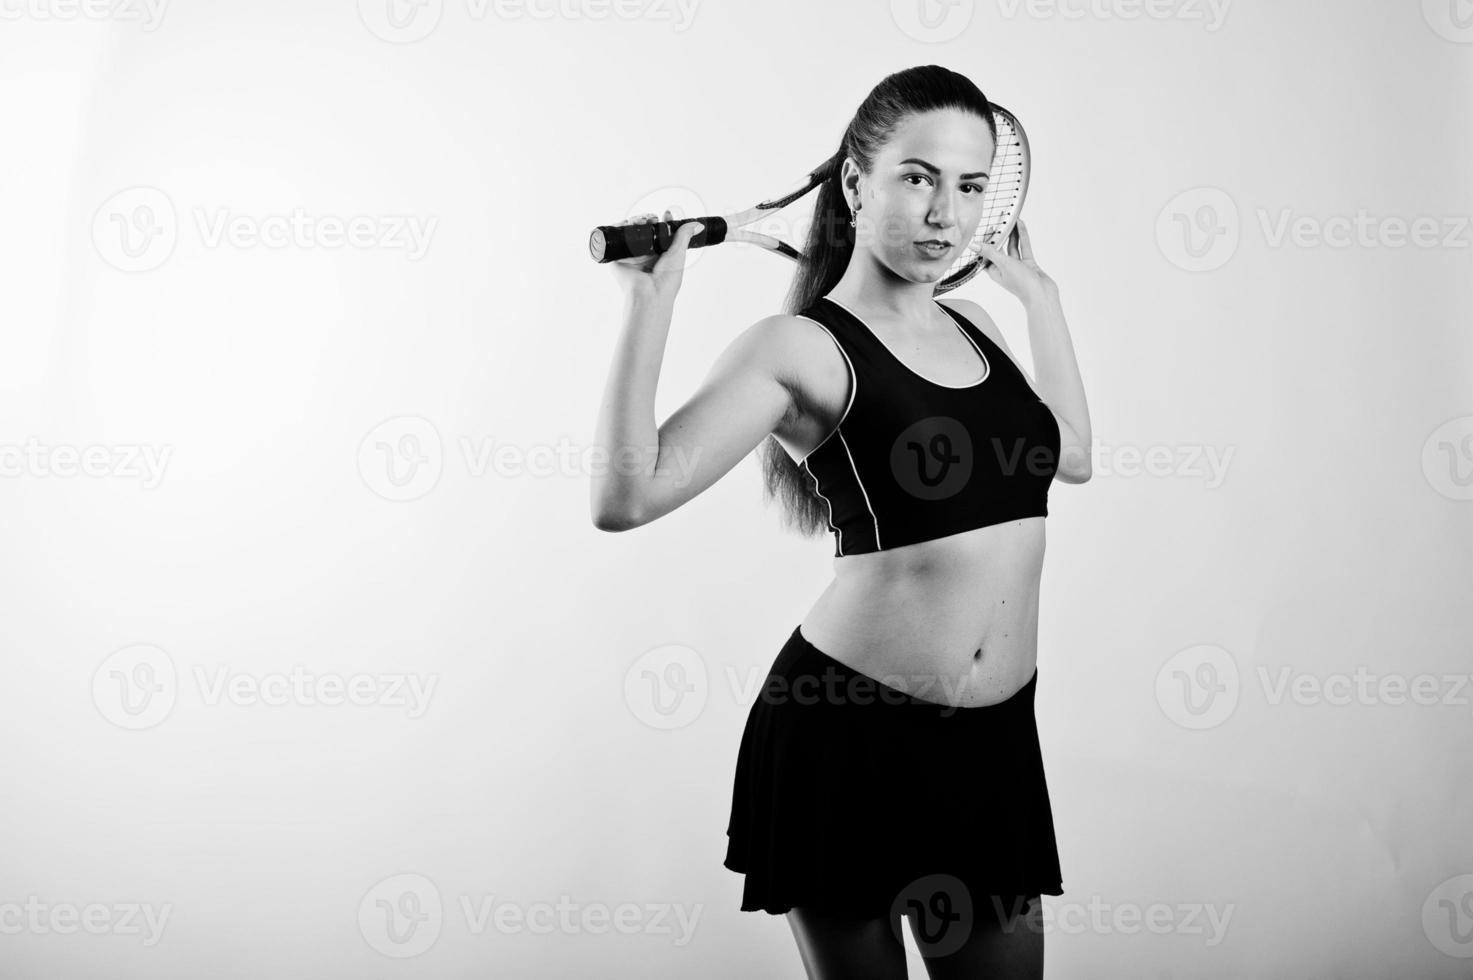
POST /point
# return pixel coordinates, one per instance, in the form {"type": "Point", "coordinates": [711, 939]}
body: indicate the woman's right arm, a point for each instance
{"type": "Point", "coordinates": [647, 471]}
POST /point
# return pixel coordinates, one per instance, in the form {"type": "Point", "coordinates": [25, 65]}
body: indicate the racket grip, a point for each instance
{"type": "Point", "coordinates": [610, 242]}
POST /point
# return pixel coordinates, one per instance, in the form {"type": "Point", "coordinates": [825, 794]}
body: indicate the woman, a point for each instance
{"type": "Point", "coordinates": [891, 764]}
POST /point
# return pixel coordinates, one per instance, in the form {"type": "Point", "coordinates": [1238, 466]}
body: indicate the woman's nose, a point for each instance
{"type": "Point", "coordinates": [943, 209]}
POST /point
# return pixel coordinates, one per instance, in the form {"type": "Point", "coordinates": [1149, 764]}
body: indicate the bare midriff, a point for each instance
{"type": "Point", "coordinates": [953, 620]}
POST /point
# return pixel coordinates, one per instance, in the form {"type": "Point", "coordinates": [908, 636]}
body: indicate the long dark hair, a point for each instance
{"type": "Point", "coordinates": [831, 240]}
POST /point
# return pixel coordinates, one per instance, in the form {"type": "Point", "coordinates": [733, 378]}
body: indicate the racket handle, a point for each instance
{"type": "Point", "coordinates": [610, 242]}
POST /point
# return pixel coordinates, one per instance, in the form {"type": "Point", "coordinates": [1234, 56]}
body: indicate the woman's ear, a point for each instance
{"type": "Point", "coordinates": [849, 181]}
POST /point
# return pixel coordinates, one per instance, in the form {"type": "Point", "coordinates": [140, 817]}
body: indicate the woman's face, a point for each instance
{"type": "Point", "coordinates": [926, 185]}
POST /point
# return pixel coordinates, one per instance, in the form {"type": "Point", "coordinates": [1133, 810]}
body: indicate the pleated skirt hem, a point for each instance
{"type": "Point", "coordinates": [848, 794]}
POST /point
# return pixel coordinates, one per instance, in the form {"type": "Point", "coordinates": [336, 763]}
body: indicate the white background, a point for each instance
{"type": "Point", "coordinates": [279, 383]}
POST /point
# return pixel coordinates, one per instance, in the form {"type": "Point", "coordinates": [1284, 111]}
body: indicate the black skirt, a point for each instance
{"type": "Point", "coordinates": [849, 792]}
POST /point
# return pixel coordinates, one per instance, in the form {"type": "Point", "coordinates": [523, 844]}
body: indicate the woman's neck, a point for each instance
{"type": "Point", "coordinates": [879, 292]}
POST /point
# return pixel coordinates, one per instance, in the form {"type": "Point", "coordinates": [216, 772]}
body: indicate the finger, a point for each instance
{"type": "Point", "coordinates": [686, 232]}
{"type": "Point", "coordinates": [1025, 243]}
{"type": "Point", "coordinates": [682, 234]}
{"type": "Point", "coordinates": [675, 254]}
{"type": "Point", "coordinates": [990, 264]}
{"type": "Point", "coordinates": [994, 255]}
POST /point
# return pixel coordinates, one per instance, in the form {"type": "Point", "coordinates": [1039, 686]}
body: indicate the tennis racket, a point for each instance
{"type": "Point", "coordinates": [1002, 200]}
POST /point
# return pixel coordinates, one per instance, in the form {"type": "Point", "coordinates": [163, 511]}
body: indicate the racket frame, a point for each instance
{"type": "Point", "coordinates": [728, 227]}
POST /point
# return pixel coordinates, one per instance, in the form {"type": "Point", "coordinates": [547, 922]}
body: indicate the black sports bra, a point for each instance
{"type": "Point", "coordinates": [912, 459]}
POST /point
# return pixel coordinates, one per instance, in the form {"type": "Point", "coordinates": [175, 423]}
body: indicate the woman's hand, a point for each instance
{"type": "Point", "coordinates": [1016, 271]}
{"type": "Point", "coordinates": [660, 273]}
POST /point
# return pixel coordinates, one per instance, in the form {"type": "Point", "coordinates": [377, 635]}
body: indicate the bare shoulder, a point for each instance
{"type": "Point", "coordinates": [780, 333]}
{"type": "Point", "coordinates": [785, 334]}
{"type": "Point", "coordinates": [799, 352]}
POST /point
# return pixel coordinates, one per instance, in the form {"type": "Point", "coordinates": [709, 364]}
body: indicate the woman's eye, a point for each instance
{"type": "Point", "coordinates": [975, 188]}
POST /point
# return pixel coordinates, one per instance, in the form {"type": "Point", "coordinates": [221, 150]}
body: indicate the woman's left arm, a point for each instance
{"type": "Point", "coordinates": [1055, 370]}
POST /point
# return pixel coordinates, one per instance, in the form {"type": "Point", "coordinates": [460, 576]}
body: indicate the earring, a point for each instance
{"type": "Point", "coordinates": [853, 217]}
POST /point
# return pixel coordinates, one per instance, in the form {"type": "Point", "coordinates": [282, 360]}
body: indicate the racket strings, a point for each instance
{"type": "Point", "coordinates": [1001, 198]}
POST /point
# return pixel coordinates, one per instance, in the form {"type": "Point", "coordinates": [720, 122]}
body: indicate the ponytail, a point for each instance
{"type": "Point", "coordinates": [830, 243]}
